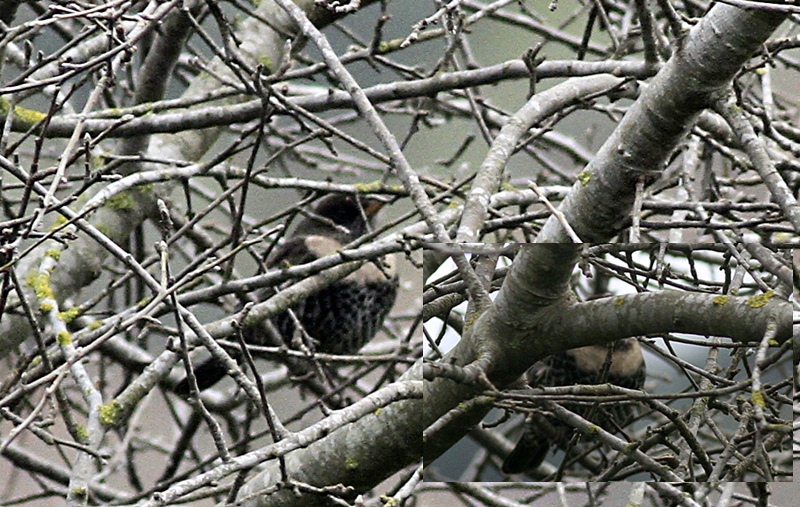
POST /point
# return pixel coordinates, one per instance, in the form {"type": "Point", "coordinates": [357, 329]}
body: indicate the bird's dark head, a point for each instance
{"type": "Point", "coordinates": [343, 217]}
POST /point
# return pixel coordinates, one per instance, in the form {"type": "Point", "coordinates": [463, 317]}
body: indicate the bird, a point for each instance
{"type": "Point", "coordinates": [584, 366]}
{"type": "Point", "coordinates": [344, 316]}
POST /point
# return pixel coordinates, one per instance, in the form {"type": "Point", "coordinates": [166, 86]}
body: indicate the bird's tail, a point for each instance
{"type": "Point", "coordinates": [527, 455]}
{"type": "Point", "coordinates": [207, 373]}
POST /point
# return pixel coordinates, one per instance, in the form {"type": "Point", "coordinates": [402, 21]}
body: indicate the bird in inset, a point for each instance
{"type": "Point", "coordinates": [585, 366]}
{"type": "Point", "coordinates": [341, 318]}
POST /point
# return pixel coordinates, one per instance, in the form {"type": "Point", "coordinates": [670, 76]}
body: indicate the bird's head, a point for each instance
{"type": "Point", "coordinates": [343, 217]}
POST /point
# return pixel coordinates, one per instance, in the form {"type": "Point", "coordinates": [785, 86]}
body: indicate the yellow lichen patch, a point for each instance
{"type": "Point", "coordinates": [23, 117]}
{"type": "Point", "coordinates": [39, 281]}
{"type": "Point", "coordinates": [59, 222]}
{"type": "Point", "coordinates": [721, 300]}
{"type": "Point", "coordinates": [757, 397]}
{"type": "Point", "coordinates": [64, 338]}
{"type": "Point", "coordinates": [267, 63]}
{"type": "Point", "coordinates": [351, 463]}
{"type": "Point", "coordinates": [69, 315]}
{"type": "Point", "coordinates": [121, 201]}
{"type": "Point", "coordinates": [54, 253]}
{"type": "Point", "coordinates": [109, 413]}
{"type": "Point", "coordinates": [368, 188]}
{"type": "Point", "coordinates": [584, 177]}
{"type": "Point", "coordinates": [29, 117]}
{"type": "Point", "coordinates": [760, 300]}
{"type": "Point", "coordinates": [471, 320]}
{"type": "Point", "coordinates": [81, 433]}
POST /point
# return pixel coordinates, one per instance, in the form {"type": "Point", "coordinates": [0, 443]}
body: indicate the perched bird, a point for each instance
{"type": "Point", "coordinates": [585, 365]}
{"type": "Point", "coordinates": [342, 317]}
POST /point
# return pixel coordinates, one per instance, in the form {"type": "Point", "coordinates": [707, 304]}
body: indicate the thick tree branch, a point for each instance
{"type": "Point", "coordinates": [532, 318]}
{"type": "Point", "coordinates": [710, 55]}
